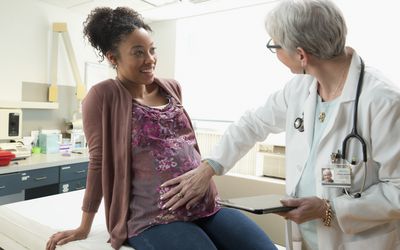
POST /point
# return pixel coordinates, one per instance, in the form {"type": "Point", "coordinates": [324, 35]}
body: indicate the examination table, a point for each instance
{"type": "Point", "coordinates": [28, 224]}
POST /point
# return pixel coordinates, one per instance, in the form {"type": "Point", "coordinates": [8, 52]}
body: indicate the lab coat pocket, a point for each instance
{"type": "Point", "coordinates": [358, 171]}
{"type": "Point", "coordinates": [386, 241]}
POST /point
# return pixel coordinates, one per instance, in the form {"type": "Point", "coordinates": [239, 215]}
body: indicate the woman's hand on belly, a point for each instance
{"type": "Point", "coordinates": [190, 187]}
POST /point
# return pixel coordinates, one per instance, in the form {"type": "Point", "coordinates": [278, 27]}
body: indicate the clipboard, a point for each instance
{"type": "Point", "coordinates": [262, 204]}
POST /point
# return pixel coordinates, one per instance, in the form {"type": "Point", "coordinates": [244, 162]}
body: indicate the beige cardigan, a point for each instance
{"type": "Point", "coordinates": [107, 118]}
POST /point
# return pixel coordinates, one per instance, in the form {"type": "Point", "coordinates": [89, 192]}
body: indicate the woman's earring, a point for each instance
{"type": "Point", "coordinates": [302, 65]}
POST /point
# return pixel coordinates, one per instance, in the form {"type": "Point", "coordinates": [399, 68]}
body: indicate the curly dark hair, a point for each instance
{"type": "Point", "coordinates": [105, 28]}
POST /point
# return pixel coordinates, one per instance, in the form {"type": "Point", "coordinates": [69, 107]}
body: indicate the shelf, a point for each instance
{"type": "Point", "coordinates": [29, 105]}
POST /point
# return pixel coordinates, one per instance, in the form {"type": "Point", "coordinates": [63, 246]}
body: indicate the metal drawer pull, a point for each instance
{"type": "Point", "coordinates": [41, 178]}
{"type": "Point", "coordinates": [79, 188]}
{"type": "Point", "coordinates": [80, 171]}
{"type": "Point", "coordinates": [2, 187]}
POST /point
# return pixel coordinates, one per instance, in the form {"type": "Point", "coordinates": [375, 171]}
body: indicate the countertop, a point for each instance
{"type": "Point", "coordinates": [37, 161]}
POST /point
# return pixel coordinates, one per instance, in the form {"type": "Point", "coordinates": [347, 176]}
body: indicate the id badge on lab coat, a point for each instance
{"type": "Point", "coordinates": [336, 175]}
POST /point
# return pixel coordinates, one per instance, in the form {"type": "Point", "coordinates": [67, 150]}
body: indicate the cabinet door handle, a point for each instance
{"type": "Point", "coordinates": [41, 178]}
{"type": "Point", "coordinates": [2, 187]}
{"type": "Point", "coordinates": [80, 171]}
{"type": "Point", "coordinates": [79, 188]}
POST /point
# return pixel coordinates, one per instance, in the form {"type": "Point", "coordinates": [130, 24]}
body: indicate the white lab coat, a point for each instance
{"type": "Point", "coordinates": [369, 222]}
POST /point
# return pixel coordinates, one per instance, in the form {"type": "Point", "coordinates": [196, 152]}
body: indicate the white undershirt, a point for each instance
{"type": "Point", "coordinates": [308, 182]}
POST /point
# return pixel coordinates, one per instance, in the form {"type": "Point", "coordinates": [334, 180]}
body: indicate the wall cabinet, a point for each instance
{"type": "Point", "coordinates": [72, 186]}
{"type": "Point", "coordinates": [44, 181]}
{"type": "Point", "coordinates": [40, 182]}
{"type": "Point", "coordinates": [73, 177]}
{"type": "Point", "coordinates": [39, 177]}
{"type": "Point", "coordinates": [10, 184]}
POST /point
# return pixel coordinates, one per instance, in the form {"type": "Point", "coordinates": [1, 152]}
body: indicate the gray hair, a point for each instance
{"type": "Point", "coordinates": [317, 26]}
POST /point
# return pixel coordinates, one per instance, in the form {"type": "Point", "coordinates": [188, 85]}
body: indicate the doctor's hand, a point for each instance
{"type": "Point", "coordinates": [308, 208]}
{"type": "Point", "coordinates": [188, 188]}
{"type": "Point", "coordinates": [61, 238]}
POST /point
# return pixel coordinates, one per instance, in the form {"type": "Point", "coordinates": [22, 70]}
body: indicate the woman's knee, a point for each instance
{"type": "Point", "coordinates": [231, 229]}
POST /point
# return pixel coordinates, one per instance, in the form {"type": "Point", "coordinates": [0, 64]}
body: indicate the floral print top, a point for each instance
{"type": "Point", "coordinates": [162, 148]}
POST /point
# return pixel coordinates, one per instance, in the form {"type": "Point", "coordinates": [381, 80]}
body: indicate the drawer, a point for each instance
{"type": "Point", "coordinates": [39, 177]}
{"type": "Point", "coordinates": [73, 172]}
{"type": "Point", "coordinates": [10, 184]}
{"type": "Point", "coordinates": [72, 185]}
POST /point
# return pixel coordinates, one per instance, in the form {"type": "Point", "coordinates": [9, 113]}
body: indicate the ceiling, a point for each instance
{"type": "Point", "coordinates": [158, 10]}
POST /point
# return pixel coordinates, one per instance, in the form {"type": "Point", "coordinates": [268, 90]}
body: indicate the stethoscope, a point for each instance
{"type": "Point", "coordinates": [299, 125]}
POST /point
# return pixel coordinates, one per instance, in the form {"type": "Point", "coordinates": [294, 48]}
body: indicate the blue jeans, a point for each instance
{"type": "Point", "coordinates": [228, 229]}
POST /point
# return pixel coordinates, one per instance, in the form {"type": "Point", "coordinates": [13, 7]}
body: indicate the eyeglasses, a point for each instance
{"type": "Point", "coordinates": [273, 47]}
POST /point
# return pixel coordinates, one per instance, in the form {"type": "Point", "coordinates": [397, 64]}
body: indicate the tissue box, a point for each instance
{"type": "Point", "coordinates": [49, 143]}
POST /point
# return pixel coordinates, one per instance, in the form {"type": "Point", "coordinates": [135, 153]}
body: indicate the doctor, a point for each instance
{"type": "Point", "coordinates": [361, 209]}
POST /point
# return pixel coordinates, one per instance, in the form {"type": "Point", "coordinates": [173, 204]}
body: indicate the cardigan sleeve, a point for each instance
{"type": "Point", "coordinates": [92, 113]}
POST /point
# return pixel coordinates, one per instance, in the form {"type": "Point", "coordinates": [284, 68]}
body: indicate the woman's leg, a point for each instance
{"type": "Point", "coordinates": [172, 236]}
{"type": "Point", "coordinates": [230, 229]}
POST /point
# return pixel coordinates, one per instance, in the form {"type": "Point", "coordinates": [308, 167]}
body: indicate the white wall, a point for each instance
{"type": "Point", "coordinates": [225, 68]}
{"type": "Point", "coordinates": [373, 32]}
{"type": "Point", "coordinates": [164, 35]}
{"type": "Point", "coordinates": [219, 58]}
{"type": "Point", "coordinates": [223, 64]}
{"type": "Point", "coordinates": [25, 45]}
